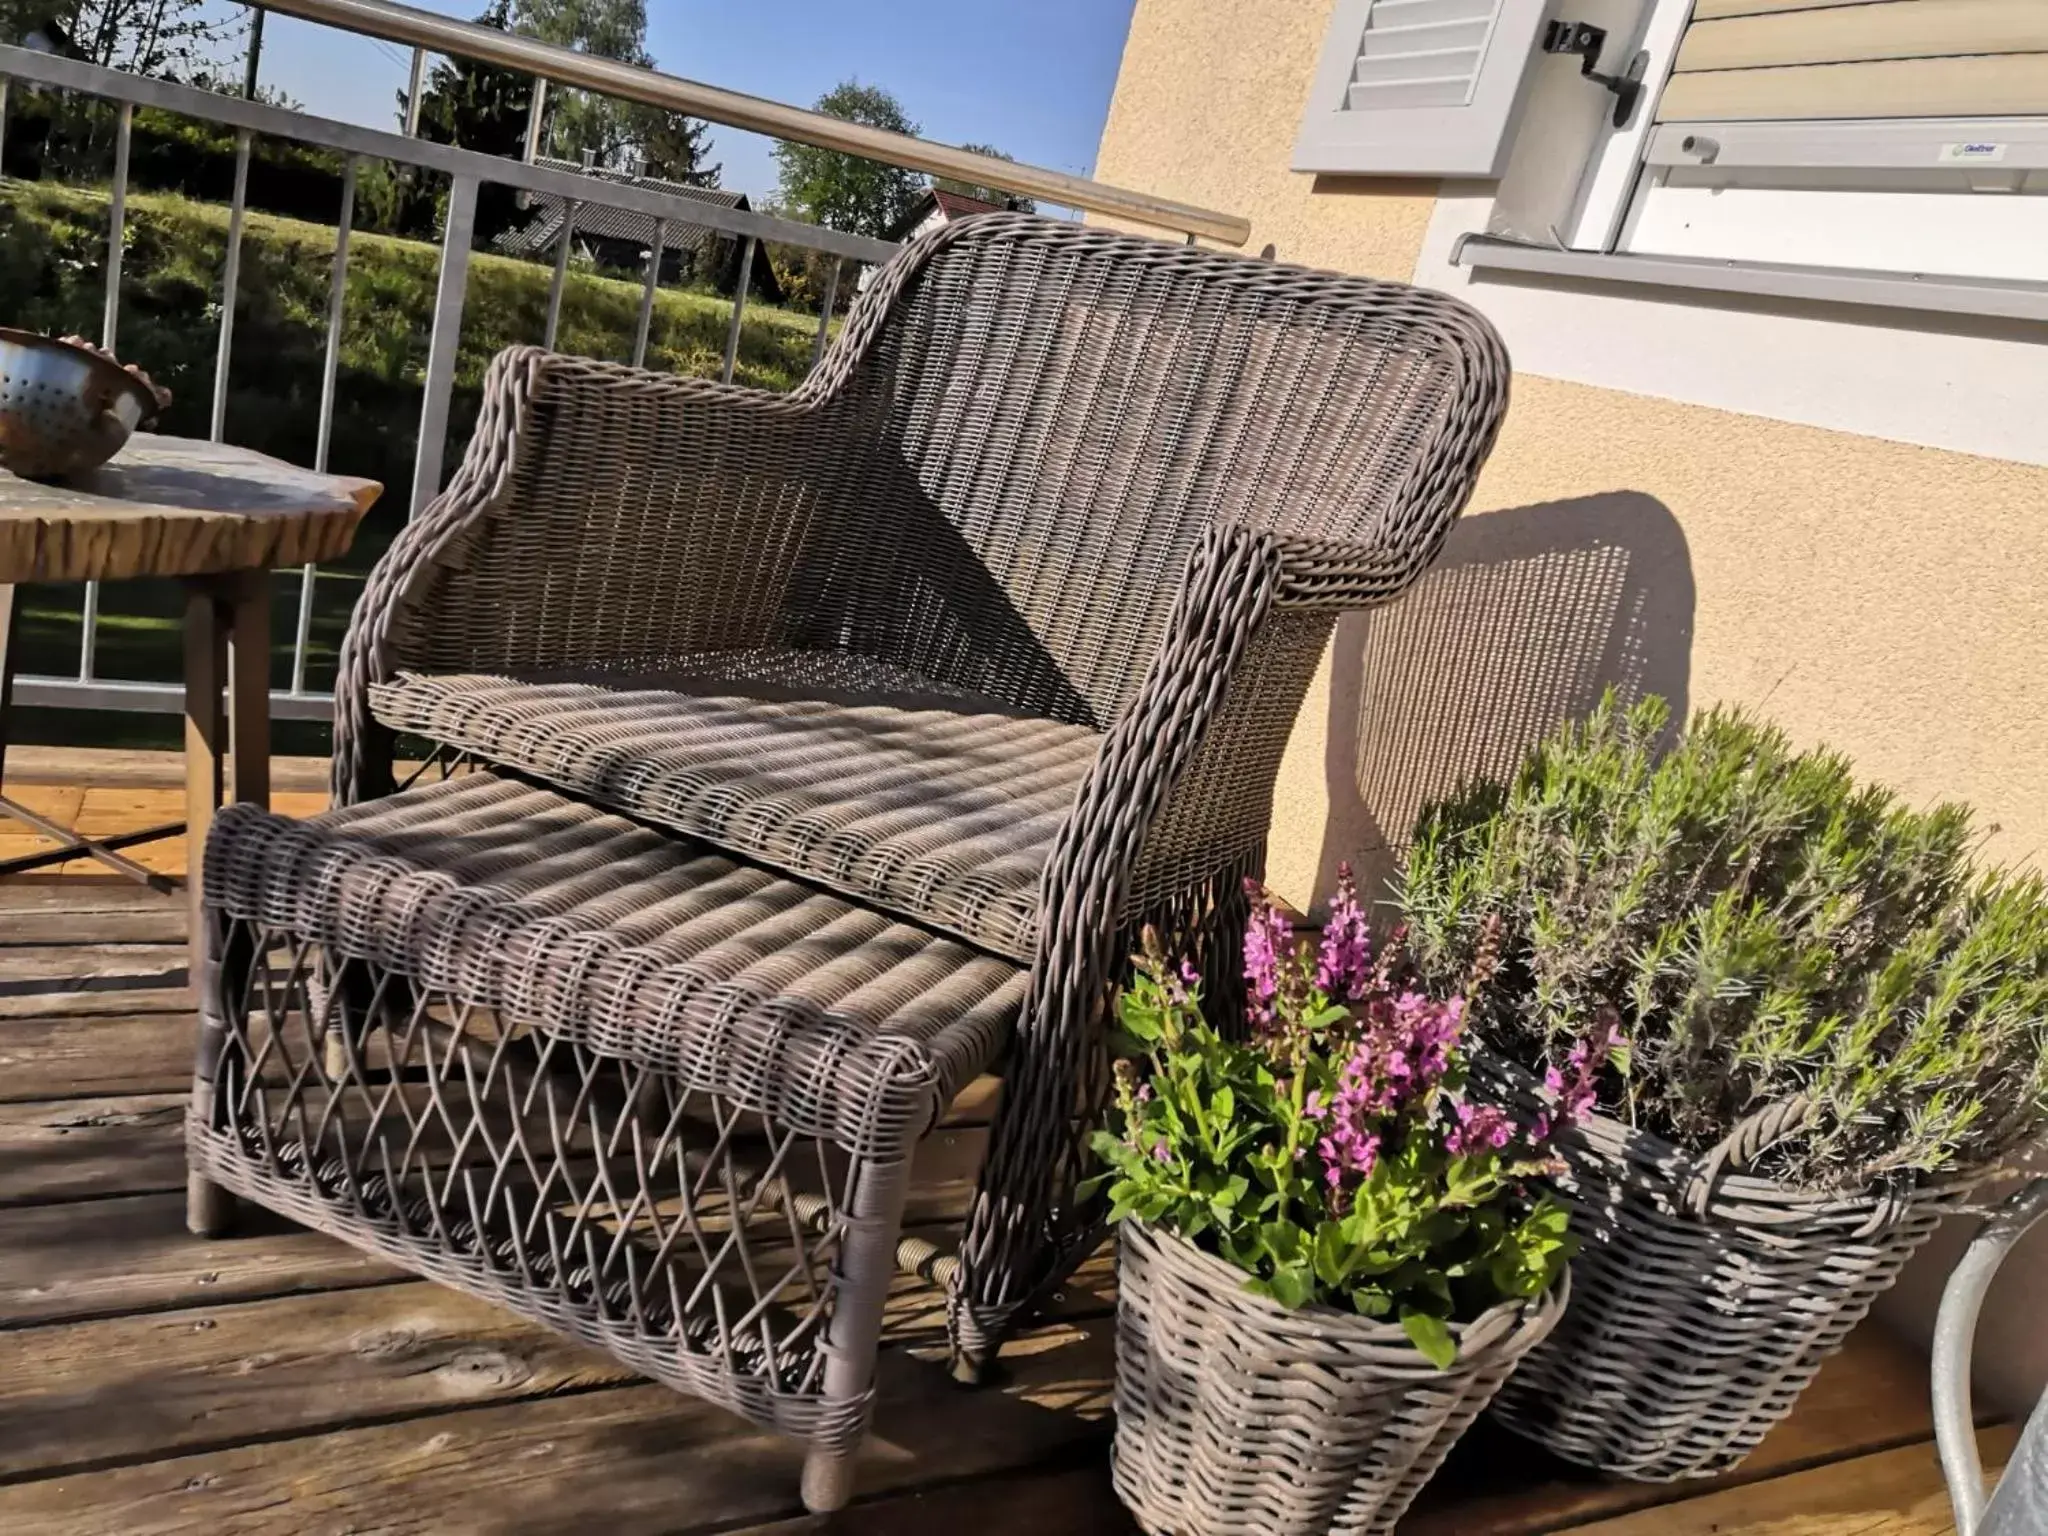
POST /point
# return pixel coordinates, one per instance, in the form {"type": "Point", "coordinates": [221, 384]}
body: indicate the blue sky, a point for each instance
{"type": "Point", "coordinates": [1033, 78]}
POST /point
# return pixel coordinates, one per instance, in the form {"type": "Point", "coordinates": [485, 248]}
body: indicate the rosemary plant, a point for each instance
{"type": "Point", "coordinates": [1764, 926]}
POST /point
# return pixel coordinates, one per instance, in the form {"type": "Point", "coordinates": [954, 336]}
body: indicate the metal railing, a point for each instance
{"type": "Point", "coordinates": [467, 170]}
{"type": "Point", "coordinates": [391, 22]}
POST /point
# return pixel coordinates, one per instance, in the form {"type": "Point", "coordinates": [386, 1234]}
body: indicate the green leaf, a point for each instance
{"type": "Point", "coordinates": [1283, 1242]}
{"type": "Point", "coordinates": [1371, 1301]}
{"type": "Point", "coordinates": [1431, 1336]}
{"type": "Point", "coordinates": [1224, 1201]}
{"type": "Point", "coordinates": [1293, 1286]}
{"type": "Point", "coordinates": [1223, 1106]}
{"type": "Point", "coordinates": [1332, 1254]}
{"type": "Point", "coordinates": [1140, 1020]}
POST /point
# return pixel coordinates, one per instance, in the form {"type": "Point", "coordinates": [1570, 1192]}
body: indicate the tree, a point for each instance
{"type": "Point", "coordinates": [172, 39]}
{"type": "Point", "coordinates": [994, 195]}
{"type": "Point", "coordinates": [673, 148]}
{"type": "Point", "coordinates": [618, 134]}
{"type": "Point", "coordinates": [841, 191]}
{"type": "Point", "coordinates": [464, 103]}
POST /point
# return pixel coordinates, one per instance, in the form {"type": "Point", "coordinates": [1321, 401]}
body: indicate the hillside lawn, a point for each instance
{"type": "Point", "coordinates": [52, 278]}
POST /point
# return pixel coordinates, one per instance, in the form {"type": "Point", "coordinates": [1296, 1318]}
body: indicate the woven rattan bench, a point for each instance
{"type": "Point", "coordinates": [636, 1090]}
{"type": "Point", "coordinates": [998, 623]}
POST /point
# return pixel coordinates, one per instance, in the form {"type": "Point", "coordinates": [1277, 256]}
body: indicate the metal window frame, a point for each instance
{"type": "Point", "coordinates": [1624, 164]}
{"type": "Point", "coordinates": [1984, 297]}
{"type": "Point", "coordinates": [1876, 144]}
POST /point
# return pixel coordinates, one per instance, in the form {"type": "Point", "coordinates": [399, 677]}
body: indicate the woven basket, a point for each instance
{"type": "Point", "coordinates": [1238, 1417]}
{"type": "Point", "coordinates": [1704, 1298]}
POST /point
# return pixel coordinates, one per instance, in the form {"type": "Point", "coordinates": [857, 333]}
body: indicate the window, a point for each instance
{"type": "Point", "coordinates": [1902, 138]}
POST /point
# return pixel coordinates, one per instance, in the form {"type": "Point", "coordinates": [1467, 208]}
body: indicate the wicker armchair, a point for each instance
{"type": "Point", "coordinates": [999, 622]}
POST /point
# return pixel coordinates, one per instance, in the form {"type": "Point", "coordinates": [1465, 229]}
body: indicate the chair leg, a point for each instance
{"type": "Point", "coordinates": [210, 1209]}
{"type": "Point", "coordinates": [867, 1262]}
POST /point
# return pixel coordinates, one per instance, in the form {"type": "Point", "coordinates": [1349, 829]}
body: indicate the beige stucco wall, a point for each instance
{"type": "Point", "coordinates": [1886, 599]}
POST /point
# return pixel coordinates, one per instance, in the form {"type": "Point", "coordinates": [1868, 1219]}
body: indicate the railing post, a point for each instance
{"type": "Point", "coordinates": [330, 368]}
{"type": "Point", "coordinates": [117, 226]}
{"type": "Point", "coordinates": [534, 113]}
{"type": "Point", "coordinates": [570, 208]}
{"type": "Point", "coordinates": [110, 322]}
{"type": "Point", "coordinates": [825, 310]}
{"type": "Point", "coordinates": [442, 344]}
{"type": "Point", "coordinates": [647, 293]}
{"type": "Point", "coordinates": [230, 281]}
{"type": "Point", "coordinates": [255, 59]}
{"type": "Point", "coordinates": [337, 293]}
{"type": "Point", "coordinates": [412, 93]}
{"type": "Point", "coordinates": [4, 83]}
{"type": "Point", "coordinates": [739, 305]}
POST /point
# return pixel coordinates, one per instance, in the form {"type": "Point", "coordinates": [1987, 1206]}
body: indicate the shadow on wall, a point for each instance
{"type": "Point", "coordinates": [1528, 614]}
{"type": "Point", "coordinates": [2010, 1362]}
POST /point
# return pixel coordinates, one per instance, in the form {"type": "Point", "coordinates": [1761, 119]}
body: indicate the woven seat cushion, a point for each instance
{"type": "Point", "coordinates": [943, 815]}
{"type": "Point", "coordinates": [831, 1019]}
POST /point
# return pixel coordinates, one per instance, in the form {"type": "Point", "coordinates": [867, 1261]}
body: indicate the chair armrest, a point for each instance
{"type": "Point", "coordinates": [602, 517]}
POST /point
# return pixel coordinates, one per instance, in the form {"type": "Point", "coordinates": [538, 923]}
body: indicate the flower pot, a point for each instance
{"type": "Point", "coordinates": [1704, 1297]}
{"type": "Point", "coordinates": [1236, 1415]}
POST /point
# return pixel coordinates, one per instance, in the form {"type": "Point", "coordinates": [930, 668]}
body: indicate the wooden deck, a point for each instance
{"type": "Point", "coordinates": [280, 1383]}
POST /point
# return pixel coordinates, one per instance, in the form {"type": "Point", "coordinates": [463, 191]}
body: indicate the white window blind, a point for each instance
{"type": "Point", "coordinates": [1418, 87]}
{"type": "Point", "coordinates": [1790, 60]}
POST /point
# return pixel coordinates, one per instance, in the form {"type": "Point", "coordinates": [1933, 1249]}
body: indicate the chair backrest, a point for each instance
{"type": "Point", "coordinates": [1054, 414]}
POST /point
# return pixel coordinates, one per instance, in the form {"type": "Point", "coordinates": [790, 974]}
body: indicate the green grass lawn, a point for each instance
{"type": "Point", "coordinates": [52, 277]}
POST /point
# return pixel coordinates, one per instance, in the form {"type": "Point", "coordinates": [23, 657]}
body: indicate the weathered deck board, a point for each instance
{"type": "Point", "coordinates": [280, 1383]}
{"type": "Point", "coordinates": [132, 1253]}
{"type": "Point", "coordinates": [633, 1460]}
{"type": "Point", "coordinates": [123, 1389]}
{"type": "Point", "coordinates": [78, 1057]}
{"type": "Point", "coordinates": [1891, 1493]}
{"type": "Point", "coordinates": [1872, 1396]}
{"type": "Point", "coordinates": [74, 1149]}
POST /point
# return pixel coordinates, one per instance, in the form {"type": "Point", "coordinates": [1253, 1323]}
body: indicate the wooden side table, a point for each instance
{"type": "Point", "coordinates": [219, 518]}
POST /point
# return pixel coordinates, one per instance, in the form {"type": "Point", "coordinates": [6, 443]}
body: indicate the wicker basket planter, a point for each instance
{"type": "Point", "coordinates": [1238, 1417]}
{"type": "Point", "coordinates": [1704, 1298]}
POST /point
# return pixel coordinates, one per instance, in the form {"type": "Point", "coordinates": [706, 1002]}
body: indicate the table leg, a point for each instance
{"type": "Point", "coordinates": [227, 646]}
{"type": "Point", "coordinates": [205, 741]}
{"type": "Point", "coordinates": [10, 616]}
{"type": "Point", "coordinates": [227, 751]}
{"type": "Point", "coordinates": [248, 599]}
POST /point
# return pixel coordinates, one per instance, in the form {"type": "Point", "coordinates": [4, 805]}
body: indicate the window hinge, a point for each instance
{"type": "Point", "coordinates": [1584, 40]}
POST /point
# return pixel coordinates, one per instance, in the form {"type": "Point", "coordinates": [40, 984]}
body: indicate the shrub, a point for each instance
{"type": "Point", "coordinates": [1763, 927]}
{"type": "Point", "coordinates": [1335, 1157]}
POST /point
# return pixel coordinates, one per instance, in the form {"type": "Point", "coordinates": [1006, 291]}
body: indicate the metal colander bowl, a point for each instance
{"type": "Point", "coordinates": [63, 409]}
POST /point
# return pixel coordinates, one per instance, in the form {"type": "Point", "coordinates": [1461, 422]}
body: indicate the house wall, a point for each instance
{"type": "Point", "coordinates": [1885, 598]}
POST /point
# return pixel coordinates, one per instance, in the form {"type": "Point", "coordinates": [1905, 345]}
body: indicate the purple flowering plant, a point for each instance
{"type": "Point", "coordinates": [1332, 1150]}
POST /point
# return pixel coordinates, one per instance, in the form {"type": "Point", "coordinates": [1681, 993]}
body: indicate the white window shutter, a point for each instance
{"type": "Point", "coordinates": [1418, 87]}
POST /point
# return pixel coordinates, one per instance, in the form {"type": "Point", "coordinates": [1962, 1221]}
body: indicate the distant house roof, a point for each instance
{"type": "Point", "coordinates": [947, 205]}
{"type": "Point", "coordinates": [597, 221]}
